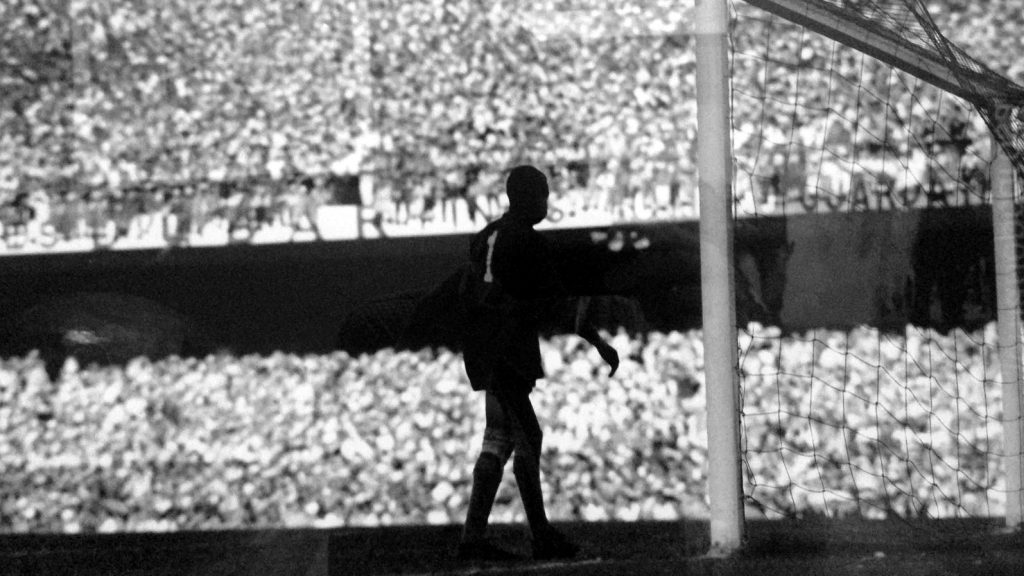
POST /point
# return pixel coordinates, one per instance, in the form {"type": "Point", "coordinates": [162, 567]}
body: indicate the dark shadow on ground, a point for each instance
{"type": "Point", "coordinates": [815, 546]}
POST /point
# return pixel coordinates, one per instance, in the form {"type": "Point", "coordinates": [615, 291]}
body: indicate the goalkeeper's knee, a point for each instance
{"type": "Point", "coordinates": [487, 468]}
{"type": "Point", "coordinates": [498, 444]}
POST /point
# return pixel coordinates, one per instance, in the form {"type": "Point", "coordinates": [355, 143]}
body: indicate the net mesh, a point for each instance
{"type": "Point", "coordinates": [910, 25]}
{"type": "Point", "coordinates": [897, 412]}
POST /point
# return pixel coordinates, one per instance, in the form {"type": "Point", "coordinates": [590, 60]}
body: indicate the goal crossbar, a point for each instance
{"type": "Point", "coordinates": [849, 28]}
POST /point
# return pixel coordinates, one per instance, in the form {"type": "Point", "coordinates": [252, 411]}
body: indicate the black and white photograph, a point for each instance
{"type": "Point", "coordinates": [485, 288]}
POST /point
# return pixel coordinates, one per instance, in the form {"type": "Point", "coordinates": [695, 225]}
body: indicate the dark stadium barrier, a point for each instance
{"type": "Point", "coordinates": [927, 267]}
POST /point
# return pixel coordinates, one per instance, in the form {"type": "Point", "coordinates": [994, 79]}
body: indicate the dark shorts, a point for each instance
{"type": "Point", "coordinates": [511, 421]}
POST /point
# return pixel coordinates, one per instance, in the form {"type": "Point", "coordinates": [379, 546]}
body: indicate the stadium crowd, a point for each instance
{"type": "Point", "coordinates": [425, 104]}
{"type": "Point", "coordinates": [388, 438]}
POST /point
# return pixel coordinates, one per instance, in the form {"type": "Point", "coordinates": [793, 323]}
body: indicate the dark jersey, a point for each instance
{"type": "Point", "coordinates": [510, 286]}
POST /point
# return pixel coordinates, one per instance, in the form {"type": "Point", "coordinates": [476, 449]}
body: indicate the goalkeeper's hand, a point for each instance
{"type": "Point", "coordinates": [609, 355]}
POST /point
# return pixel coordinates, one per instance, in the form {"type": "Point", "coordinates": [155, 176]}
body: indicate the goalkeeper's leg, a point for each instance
{"type": "Point", "coordinates": [487, 473]}
{"type": "Point", "coordinates": [514, 399]}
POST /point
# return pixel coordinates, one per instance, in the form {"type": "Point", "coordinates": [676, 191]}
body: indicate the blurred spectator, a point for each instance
{"type": "Point", "coordinates": [307, 214]}
{"type": "Point", "coordinates": [96, 210]}
{"type": "Point", "coordinates": [120, 214]}
{"type": "Point", "coordinates": [179, 215]}
{"type": "Point", "coordinates": [16, 216]}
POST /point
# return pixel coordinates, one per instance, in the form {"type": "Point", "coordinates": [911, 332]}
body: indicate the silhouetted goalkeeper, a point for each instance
{"type": "Point", "coordinates": [510, 286]}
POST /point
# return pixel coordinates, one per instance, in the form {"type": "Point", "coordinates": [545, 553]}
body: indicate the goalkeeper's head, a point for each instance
{"type": "Point", "coordinates": [527, 190]}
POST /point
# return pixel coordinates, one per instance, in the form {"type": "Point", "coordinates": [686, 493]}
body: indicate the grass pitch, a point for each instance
{"type": "Point", "coordinates": [814, 546]}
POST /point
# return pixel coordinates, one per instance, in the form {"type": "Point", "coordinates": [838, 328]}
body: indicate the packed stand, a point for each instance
{"type": "Point", "coordinates": [416, 99]}
{"type": "Point", "coordinates": [288, 440]}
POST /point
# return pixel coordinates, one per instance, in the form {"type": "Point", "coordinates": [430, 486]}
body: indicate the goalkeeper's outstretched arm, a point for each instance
{"type": "Point", "coordinates": [589, 333]}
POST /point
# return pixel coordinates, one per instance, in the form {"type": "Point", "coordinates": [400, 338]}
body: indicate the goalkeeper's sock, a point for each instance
{"type": "Point", "coordinates": [526, 467]}
{"type": "Point", "coordinates": [486, 479]}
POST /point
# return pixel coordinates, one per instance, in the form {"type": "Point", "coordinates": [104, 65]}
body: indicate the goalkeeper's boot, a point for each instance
{"type": "Point", "coordinates": [554, 546]}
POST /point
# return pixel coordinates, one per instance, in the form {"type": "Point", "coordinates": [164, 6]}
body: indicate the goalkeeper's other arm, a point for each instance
{"type": "Point", "coordinates": [589, 333]}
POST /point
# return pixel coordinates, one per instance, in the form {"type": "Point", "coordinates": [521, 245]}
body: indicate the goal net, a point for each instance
{"type": "Point", "coordinates": [865, 116]}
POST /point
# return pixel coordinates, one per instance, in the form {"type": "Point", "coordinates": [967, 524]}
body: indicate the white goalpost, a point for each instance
{"type": "Point", "coordinates": [1009, 330]}
{"type": "Point", "coordinates": [714, 168]}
